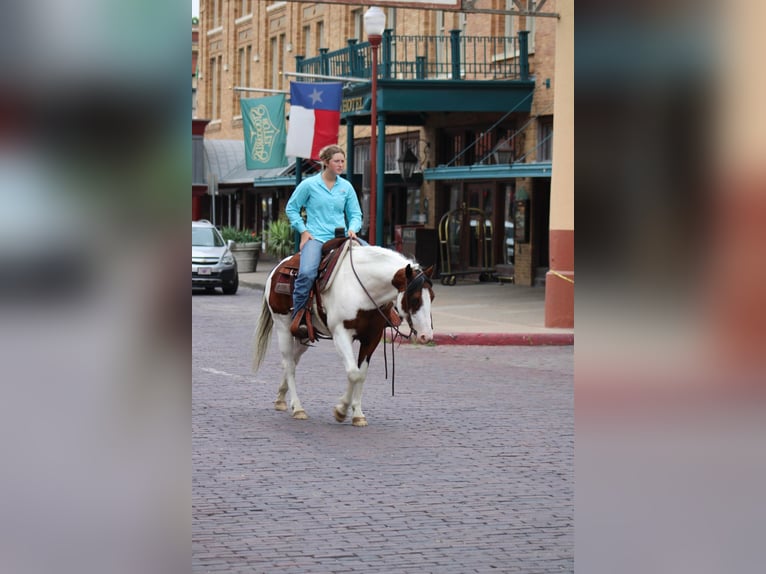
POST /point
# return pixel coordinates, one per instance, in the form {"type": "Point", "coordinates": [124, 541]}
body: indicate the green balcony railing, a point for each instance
{"type": "Point", "coordinates": [453, 57]}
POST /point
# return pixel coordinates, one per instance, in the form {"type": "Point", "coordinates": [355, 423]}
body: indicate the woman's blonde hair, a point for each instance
{"type": "Point", "coordinates": [326, 153]}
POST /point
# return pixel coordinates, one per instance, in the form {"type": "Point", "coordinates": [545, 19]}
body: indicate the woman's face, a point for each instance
{"type": "Point", "coordinates": [337, 163]}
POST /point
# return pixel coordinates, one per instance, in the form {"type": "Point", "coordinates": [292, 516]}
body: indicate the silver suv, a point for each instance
{"type": "Point", "coordinates": [213, 265]}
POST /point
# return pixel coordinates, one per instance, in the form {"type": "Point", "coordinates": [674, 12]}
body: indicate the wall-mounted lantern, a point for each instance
{"type": "Point", "coordinates": [503, 152]}
{"type": "Point", "coordinates": [407, 162]}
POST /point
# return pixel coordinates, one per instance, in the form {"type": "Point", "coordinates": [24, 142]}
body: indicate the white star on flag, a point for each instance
{"type": "Point", "coordinates": [316, 96]}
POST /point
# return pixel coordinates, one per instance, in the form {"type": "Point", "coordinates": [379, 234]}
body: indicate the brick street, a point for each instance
{"type": "Point", "coordinates": [468, 468]}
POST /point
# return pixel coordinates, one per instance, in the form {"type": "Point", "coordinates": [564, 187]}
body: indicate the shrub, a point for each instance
{"type": "Point", "coordinates": [280, 238]}
{"type": "Point", "coordinates": [240, 235]}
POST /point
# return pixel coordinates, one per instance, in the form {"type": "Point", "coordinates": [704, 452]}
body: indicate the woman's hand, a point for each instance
{"type": "Point", "coordinates": [305, 236]}
{"type": "Point", "coordinates": [352, 234]}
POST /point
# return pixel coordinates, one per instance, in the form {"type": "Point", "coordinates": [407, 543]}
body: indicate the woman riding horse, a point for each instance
{"type": "Point", "coordinates": [330, 202]}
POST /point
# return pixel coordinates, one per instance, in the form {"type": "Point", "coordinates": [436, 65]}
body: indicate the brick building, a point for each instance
{"type": "Point", "coordinates": [498, 96]}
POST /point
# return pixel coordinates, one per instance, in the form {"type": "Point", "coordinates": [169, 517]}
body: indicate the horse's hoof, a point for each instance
{"type": "Point", "coordinates": [359, 421]}
{"type": "Point", "coordinates": [339, 416]}
{"type": "Point", "coordinates": [300, 415]}
{"type": "Point", "coordinates": [280, 405]}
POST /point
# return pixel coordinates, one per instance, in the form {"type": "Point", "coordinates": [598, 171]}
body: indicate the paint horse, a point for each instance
{"type": "Point", "coordinates": [368, 283]}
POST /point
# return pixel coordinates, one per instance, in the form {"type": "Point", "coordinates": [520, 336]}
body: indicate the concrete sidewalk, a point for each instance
{"type": "Point", "coordinates": [475, 313]}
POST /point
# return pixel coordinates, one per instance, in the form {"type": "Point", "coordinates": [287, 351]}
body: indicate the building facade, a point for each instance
{"type": "Point", "coordinates": [469, 94]}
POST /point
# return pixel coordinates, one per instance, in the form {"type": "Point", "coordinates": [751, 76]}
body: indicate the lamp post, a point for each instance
{"type": "Point", "coordinates": [374, 24]}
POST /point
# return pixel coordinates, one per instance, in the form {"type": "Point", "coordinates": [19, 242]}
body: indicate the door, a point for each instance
{"type": "Point", "coordinates": [478, 232]}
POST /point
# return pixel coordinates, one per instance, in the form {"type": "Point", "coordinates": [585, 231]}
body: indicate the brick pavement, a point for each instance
{"type": "Point", "coordinates": [469, 468]}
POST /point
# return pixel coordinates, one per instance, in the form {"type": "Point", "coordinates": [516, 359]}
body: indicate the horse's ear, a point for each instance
{"type": "Point", "coordinates": [429, 271]}
{"type": "Point", "coordinates": [399, 281]}
{"type": "Point", "coordinates": [408, 272]}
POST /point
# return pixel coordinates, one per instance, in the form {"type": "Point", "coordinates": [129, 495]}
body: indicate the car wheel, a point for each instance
{"type": "Point", "coordinates": [231, 288]}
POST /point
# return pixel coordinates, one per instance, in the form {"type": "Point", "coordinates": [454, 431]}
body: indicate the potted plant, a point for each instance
{"type": "Point", "coordinates": [246, 248]}
{"type": "Point", "coordinates": [280, 238]}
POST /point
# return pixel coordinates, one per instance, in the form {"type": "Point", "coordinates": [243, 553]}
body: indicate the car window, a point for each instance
{"type": "Point", "coordinates": [206, 237]}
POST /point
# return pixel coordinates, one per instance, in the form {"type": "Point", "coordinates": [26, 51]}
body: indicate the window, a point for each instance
{"type": "Point", "coordinates": [277, 60]}
{"type": "Point", "coordinates": [243, 74]}
{"type": "Point", "coordinates": [510, 29]}
{"type": "Point", "coordinates": [441, 47]}
{"type": "Point", "coordinates": [307, 41]}
{"type": "Point", "coordinates": [249, 59]}
{"type": "Point", "coordinates": [391, 19]}
{"type": "Point", "coordinates": [357, 22]}
{"type": "Point", "coordinates": [242, 67]}
{"type": "Point", "coordinates": [545, 139]}
{"type": "Point", "coordinates": [361, 156]}
{"type": "Point", "coordinates": [216, 12]}
{"type": "Point", "coordinates": [320, 36]}
{"type": "Point", "coordinates": [515, 23]}
{"type": "Point", "coordinates": [215, 88]}
{"type": "Point", "coordinates": [245, 8]}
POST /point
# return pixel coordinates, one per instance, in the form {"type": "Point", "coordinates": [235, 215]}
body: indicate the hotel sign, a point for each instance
{"type": "Point", "coordinates": [356, 104]}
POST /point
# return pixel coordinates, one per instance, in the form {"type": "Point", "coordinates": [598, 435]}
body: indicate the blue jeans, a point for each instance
{"type": "Point", "coordinates": [311, 256]}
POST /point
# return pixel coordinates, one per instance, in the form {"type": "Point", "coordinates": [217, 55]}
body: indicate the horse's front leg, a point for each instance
{"type": "Point", "coordinates": [355, 375]}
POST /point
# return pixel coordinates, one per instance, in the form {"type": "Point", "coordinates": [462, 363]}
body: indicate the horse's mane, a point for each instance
{"type": "Point", "coordinates": [382, 256]}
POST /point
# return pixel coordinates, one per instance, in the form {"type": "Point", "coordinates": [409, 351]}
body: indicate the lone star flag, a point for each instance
{"type": "Point", "coordinates": [264, 125]}
{"type": "Point", "coordinates": [314, 118]}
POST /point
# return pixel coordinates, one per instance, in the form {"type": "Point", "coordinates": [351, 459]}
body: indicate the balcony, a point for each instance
{"type": "Point", "coordinates": [453, 57]}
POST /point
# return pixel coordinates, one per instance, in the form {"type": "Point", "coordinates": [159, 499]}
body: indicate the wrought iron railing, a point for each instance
{"type": "Point", "coordinates": [453, 57]}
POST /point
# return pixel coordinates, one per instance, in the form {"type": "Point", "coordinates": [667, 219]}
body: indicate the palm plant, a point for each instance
{"type": "Point", "coordinates": [280, 238]}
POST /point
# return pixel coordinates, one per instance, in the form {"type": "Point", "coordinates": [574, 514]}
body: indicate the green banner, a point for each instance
{"type": "Point", "coordinates": [264, 124]}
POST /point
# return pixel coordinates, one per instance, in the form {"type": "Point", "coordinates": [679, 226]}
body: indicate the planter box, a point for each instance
{"type": "Point", "coordinates": [247, 255]}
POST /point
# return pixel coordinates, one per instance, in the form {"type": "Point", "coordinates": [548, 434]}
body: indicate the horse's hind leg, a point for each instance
{"type": "Point", "coordinates": [291, 351]}
{"type": "Point", "coordinates": [280, 403]}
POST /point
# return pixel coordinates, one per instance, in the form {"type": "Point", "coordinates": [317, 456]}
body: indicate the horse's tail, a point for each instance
{"type": "Point", "coordinates": [262, 334]}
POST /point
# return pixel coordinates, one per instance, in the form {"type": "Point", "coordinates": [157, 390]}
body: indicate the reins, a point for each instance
{"type": "Point", "coordinates": [422, 277]}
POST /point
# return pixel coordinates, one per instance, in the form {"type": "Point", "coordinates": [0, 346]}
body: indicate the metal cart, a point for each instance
{"type": "Point", "coordinates": [473, 252]}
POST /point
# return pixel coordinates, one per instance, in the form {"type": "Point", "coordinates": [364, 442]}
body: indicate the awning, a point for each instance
{"type": "Point", "coordinates": [494, 171]}
{"type": "Point", "coordinates": [226, 159]}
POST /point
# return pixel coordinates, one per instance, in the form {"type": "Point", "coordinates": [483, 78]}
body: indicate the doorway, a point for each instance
{"type": "Point", "coordinates": [469, 226]}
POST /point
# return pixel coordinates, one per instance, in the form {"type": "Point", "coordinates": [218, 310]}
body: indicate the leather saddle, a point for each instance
{"type": "Point", "coordinates": [283, 279]}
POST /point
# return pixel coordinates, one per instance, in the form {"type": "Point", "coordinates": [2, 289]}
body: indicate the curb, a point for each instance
{"type": "Point", "coordinates": [251, 284]}
{"type": "Point", "coordinates": [500, 339]}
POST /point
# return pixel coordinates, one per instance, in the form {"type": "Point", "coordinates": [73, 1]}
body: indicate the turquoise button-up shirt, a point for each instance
{"type": "Point", "coordinates": [326, 209]}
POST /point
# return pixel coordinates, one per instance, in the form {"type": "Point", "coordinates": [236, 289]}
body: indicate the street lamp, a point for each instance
{"type": "Point", "coordinates": [374, 24]}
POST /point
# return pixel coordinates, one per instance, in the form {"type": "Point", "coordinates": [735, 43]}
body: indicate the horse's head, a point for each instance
{"type": "Point", "coordinates": [413, 302]}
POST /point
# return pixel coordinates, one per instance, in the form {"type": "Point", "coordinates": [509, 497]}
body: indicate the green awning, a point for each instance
{"type": "Point", "coordinates": [494, 171]}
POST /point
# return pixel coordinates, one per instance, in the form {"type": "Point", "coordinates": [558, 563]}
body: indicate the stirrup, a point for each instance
{"type": "Point", "coordinates": [298, 329]}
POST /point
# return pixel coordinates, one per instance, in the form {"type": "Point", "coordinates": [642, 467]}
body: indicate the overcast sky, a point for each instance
{"type": "Point", "coordinates": [195, 7]}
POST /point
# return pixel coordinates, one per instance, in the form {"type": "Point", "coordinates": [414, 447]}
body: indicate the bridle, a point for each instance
{"type": "Point", "coordinates": [415, 284]}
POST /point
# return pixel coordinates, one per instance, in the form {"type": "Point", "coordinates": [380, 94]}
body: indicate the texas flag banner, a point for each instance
{"type": "Point", "coordinates": [314, 118]}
